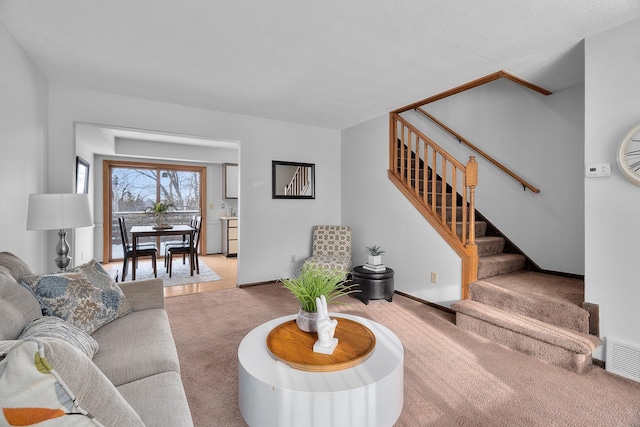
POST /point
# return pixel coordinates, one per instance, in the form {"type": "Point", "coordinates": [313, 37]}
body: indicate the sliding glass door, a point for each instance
{"type": "Point", "coordinates": [134, 187]}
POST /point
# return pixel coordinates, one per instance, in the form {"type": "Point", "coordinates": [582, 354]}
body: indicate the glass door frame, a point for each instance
{"type": "Point", "coordinates": [107, 197]}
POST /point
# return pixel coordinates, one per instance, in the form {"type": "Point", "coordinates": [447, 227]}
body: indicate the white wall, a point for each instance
{"type": "Point", "coordinates": [380, 215]}
{"type": "Point", "coordinates": [23, 150]}
{"type": "Point", "coordinates": [540, 138]}
{"type": "Point", "coordinates": [270, 230]}
{"type": "Point", "coordinates": [612, 100]}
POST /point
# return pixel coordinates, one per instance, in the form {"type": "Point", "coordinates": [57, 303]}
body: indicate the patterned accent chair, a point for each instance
{"type": "Point", "coordinates": [331, 248]}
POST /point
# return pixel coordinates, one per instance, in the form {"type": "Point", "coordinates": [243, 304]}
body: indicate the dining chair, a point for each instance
{"type": "Point", "coordinates": [184, 248]}
{"type": "Point", "coordinates": [142, 250]}
{"type": "Point", "coordinates": [140, 244]}
{"type": "Point", "coordinates": [192, 223]}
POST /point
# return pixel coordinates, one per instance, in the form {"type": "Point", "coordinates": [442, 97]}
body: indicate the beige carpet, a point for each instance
{"type": "Point", "coordinates": [452, 377]}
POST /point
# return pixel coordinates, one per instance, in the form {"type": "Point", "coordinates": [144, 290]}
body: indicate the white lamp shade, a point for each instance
{"type": "Point", "coordinates": [58, 211]}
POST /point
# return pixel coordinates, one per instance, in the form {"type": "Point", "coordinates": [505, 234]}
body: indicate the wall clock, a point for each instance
{"type": "Point", "coordinates": [629, 155]}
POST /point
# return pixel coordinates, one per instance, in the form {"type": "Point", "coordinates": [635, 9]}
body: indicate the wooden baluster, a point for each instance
{"type": "Point", "coordinates": [472, 182]}
{"type": "Point", "coordinates": [393, 142]}
{"type": "Point", "coordinates": [402, 152]}
{"type": "Point", "coordinates": [408, 157]}
{"type": "Point", "coordinates": [454, 199]}
{"type": "Point", "coordinates": [443, 191]}
{"type": "Point", "coordinates": [416, 167]}
{"type": "Point", "coordinates": [425, 172]}
{"type": "Point", "coordinates": [434, 159]}
{"type": "Point", "coordinates": [463, 234]}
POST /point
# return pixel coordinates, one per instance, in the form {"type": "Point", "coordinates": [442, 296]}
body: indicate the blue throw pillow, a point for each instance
{"type": "Point", "coordinates": [86, 296]}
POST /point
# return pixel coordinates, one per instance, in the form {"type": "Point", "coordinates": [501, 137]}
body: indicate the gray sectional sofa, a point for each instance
{"type": "Point", "coordinates": [133, 377]}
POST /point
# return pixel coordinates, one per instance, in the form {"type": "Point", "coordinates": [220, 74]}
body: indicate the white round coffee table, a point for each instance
{"type": "Point", "coordinates": [271, 393]}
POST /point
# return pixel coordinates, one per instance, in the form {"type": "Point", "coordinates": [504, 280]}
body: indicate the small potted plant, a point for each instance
{"type": "Point", "coordinates": [310, 284]}
{"type": "Point", "coordinates": [375, 254]}
{"type": "Point", "coordinates": [159, 211]}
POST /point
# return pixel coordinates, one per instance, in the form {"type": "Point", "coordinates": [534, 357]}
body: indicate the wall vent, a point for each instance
{"type": "Point", "coordinates": [623, 359]}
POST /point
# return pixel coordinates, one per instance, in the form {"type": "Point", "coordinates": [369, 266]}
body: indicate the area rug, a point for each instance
{"type": "Point", "coordinates": [180, 274]}
{"type": "Point", "coordinates": [452, 377]}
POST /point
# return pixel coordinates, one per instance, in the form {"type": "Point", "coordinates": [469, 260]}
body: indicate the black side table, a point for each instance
{"type": "Point", "coordinates": [373, 285]}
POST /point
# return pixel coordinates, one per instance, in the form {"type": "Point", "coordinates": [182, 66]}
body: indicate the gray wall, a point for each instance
{"type": "Point", "coordinates": [612, 81]}
{"type": "Point", "coordinates": [23, 151]}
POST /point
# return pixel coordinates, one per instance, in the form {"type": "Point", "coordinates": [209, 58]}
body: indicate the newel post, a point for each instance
{"type": "Point", "coordinates": [472, 182]}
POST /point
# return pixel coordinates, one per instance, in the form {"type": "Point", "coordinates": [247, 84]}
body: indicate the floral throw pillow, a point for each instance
{"type": "Point", "coordinates": [86, 297]}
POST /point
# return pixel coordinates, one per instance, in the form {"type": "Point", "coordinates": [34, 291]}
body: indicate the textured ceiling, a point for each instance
{"type": "Point", "coordinates": [327, 63]}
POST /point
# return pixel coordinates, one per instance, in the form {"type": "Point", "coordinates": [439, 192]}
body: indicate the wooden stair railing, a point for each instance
{"type": "Point", "coordinates": [475, 83]}
{"type": "Point", "coordinates": [426, 174]}
{"type": "Point", "coordinates": [414, 159]}
{"type": "Point", "coordinates": [470, 85]}
{"type": "Point", "coordinates": [299, 182]}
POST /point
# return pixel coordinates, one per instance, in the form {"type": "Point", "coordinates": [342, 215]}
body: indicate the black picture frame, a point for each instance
{"type": "Point", "coordinates": [299, 178]}
{"type": "Point", "coordinates": [82, 175]}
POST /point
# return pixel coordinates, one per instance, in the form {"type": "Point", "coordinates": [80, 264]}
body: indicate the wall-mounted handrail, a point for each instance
{"type": "Point", "coordinates": [463, 140]}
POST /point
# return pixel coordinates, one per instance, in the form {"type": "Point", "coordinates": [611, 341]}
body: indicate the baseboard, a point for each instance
{"type": "Point", "coordinates": [599, 363]}
{"type": "Point", "coordinates": [429, 303]}
{"type": "Point", "coordinates": [562, 274]}
{"type": "Point", "coordinates": [594, 317]}
{"type": "Point", "coordinates": [268, 282]}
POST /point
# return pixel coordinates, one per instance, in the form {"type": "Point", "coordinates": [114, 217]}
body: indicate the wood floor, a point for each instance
{"type": "Point", "coordinates": [226, 268]}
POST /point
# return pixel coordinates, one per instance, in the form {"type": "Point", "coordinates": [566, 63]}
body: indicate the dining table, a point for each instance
{"type": "Point", "coordinates": [138, 231]}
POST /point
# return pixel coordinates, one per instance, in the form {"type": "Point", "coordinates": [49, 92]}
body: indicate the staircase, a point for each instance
{"type": "Point", "coordinates": [518, 308]}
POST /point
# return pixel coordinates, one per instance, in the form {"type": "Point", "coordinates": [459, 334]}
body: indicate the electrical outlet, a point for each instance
{"type": "Point", "coordinates": [293, 259]}
{"type": "Point", "coordinates": [434, 277]}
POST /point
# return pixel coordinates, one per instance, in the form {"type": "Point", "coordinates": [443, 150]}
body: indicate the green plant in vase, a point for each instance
{"type": "Point", "coordinates": [309, 285]}
{"type": "Point", "coordinates": [375, 254]}
{"type": "Point", "coordinates": [159, 211]}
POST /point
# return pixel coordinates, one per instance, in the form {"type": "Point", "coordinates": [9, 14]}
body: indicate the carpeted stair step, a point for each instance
{"type": "Point", "coordinates": [481, 228]}
{"type": "Point", "coordinates": [448, 213]}
{"type": "Point", "coordinates": [553, 311]}
{"type": "Point", "coordinates": [494, 265]}
{"type": "Point", "coordinates": [489, 245]}
{"type": "Point", "coordinates": [448, 198]}
{"type": "Point", "coordinates": [558, 346]}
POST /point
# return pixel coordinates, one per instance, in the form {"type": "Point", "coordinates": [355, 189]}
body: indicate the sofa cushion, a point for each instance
{"type": "Point", "coordinates": [18, 306]}
{"type": "Point", "coordinates": [159, 400]}
{"type": "Point", "coordinates": [45, 379]}
{"type": "Point", "coordinates": [15, 265]}
{"type": "Point", "coordinates": [136, 346]}
{"type": "Point", "coordinates": [55, 327]}
{"type": "Point", "coordinates": [85, 297]}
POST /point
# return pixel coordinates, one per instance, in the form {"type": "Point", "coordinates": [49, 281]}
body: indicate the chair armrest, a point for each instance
{"type": "Point", "coordinates": [144, 294]}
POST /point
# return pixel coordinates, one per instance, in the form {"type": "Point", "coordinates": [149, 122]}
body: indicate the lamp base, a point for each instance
{"type": "Point", "coordinates": [62, 250]}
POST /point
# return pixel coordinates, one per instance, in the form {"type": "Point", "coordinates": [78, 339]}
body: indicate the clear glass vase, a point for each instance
{"type": "Point", "coordinates": [307, 321]}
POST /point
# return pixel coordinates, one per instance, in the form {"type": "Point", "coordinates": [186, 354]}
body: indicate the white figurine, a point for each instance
{"type": "Point", "coordinates": [326, 329]}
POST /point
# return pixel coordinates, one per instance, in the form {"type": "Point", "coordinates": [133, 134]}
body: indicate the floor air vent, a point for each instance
{"type": "Point", "coordinates": [623, 359]}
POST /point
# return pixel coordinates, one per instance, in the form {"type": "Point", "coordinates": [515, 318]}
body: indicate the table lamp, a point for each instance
{"type": "Point", "coordinates": [59, 212]}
